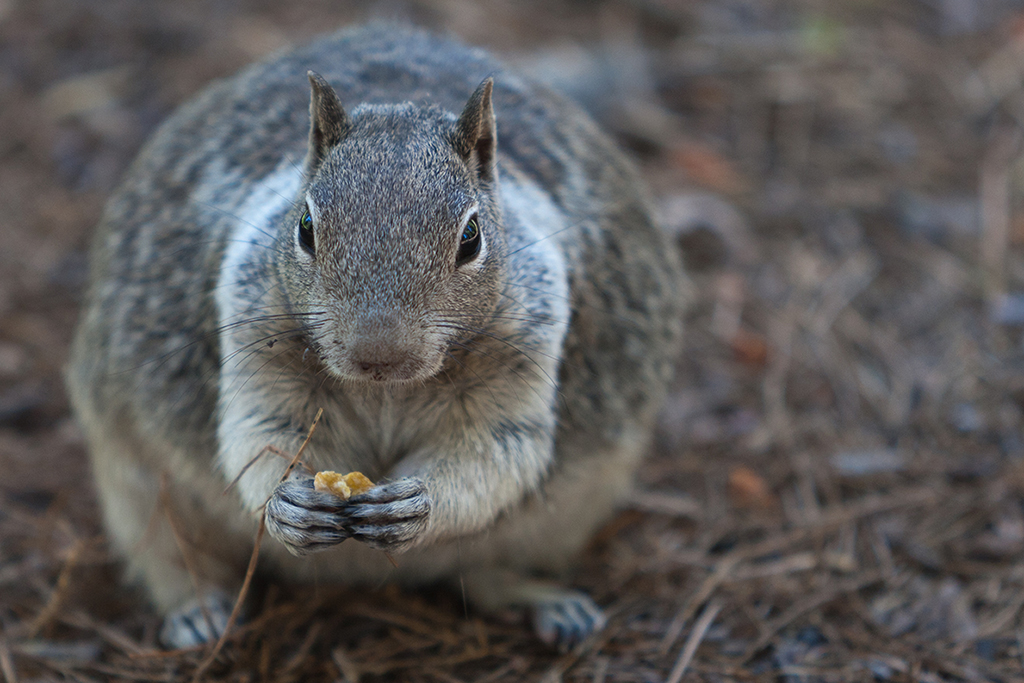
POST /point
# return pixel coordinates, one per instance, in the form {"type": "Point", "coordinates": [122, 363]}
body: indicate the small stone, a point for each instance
{"type": "Point", "coordinates": [1008, 309]}
{"type": "Point", "coordinates": [936, 219]}
{"type": "Point", "coordinates": [867, 462]}
{"type": "Point", "coordinates": [13, 359]}
{"type": "Point", "coordinates": [966, 418]}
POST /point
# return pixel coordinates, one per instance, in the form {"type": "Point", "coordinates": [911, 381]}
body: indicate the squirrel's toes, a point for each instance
{"type": "Point", "coordinates": [198, 621]}
{"type": "Point", "coordinates": [561, 617]}
{"type": "Point", "coordinates": [566, 618]}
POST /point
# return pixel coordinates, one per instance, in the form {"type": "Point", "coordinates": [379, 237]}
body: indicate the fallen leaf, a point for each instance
{"type": "Point", "coordinates": [748, 490]}
{"type": "Point", "coordinates": [708, 168]}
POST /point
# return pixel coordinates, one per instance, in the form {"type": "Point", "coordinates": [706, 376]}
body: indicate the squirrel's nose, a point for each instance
{"type": "Point", "coordinates": [381, 371]}
{"type": "Point", "coordinates": [373, 367]}
{"type": "Point", "coordinates": [382, 361]}
{"type": "Point", "coordinates": [379, 357]}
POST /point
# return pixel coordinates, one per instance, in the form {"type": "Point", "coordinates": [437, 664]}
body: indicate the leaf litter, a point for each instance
{"type": "Point", "coordinates": [835, 489]}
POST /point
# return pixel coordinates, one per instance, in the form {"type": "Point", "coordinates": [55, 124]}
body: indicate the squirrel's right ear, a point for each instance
{"type": "Point", "coordinates": [475, 138]}
{"type": "Point", "coordinates": [328, 121]}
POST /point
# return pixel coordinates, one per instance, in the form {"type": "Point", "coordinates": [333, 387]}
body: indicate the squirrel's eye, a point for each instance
{"type": "Point", "coordinates": [469, 245]}
{"type": "Point", "coordinates": [306, 232]}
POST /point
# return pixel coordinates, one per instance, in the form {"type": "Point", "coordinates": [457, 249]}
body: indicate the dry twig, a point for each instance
{"type": "Point", "coordinates": [7, 663]}
{"type": "Point", "coordinates": [251, 570]}
{"type": "Point", "coordinates": [700, 629]}
{"type": "Point", "coordinates": [60, 591]}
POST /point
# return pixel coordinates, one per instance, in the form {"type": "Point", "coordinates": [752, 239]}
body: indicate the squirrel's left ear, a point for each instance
{"type": "Point", "coordinates": [475, 138]}
{"type": "Point", "coordinates": [328, 123]}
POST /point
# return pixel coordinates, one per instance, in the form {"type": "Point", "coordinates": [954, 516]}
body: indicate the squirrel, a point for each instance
{"type": "Point", "coordinates": [456, 266]}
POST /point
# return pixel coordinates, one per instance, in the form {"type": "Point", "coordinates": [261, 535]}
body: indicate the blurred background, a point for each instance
{"type": "Point", "coordinates": [836, 488]}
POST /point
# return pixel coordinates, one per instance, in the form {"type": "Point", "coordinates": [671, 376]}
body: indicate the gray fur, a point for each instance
{"type": "Point", "coordinates": [502, 403]}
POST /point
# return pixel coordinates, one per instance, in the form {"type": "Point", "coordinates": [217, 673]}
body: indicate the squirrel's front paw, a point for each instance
{"type": "Point", "coordinates": [389, 516]}
{"type": "Point", "coordinates": [306, 520]}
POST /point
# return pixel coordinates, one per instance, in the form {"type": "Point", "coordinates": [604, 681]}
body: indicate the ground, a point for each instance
{"type": "Point", "coordinates": [836, 487]}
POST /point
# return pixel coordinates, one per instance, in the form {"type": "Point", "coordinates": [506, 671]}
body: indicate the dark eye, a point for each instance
{"type": "Point", "coordinates": [306, 232]}
{"type": "Point", "coordinates": [469, 244]}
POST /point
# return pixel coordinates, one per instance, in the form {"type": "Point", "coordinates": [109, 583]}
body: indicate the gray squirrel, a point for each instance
{"type": "Point", "coordinates": [480, 302]}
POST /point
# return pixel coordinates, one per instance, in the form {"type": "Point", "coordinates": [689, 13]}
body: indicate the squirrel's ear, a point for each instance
{"type": "Point", "coordinates": [475, 138]}
{"type": "Point", "coordinates": [328, 121]}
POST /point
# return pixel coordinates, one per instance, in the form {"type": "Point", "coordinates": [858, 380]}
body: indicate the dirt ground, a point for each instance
{"type": "Point", "coordinates": [836, 488]}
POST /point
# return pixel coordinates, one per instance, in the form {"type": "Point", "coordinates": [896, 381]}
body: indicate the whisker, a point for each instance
{"type": "Point", "coordinates": [451, 381]}
{"type": "Point", "coordinates": [559, 394]}
{"type": "Point", "coordinates": [551, 381]}
{"type": "Point", "coordinates": [214, 373]}
{"type": "Point", "coordinates": [479, 378]}
{"type": "Point", "coordinates": [571, 226]}
{"type": "Point", "coordinates": [256, 345]}
{"type": "Point", "coordinates": [253, 374]}
{"type": "Point", "coordinates": [576, 304]}
{"type": "Point", "coordinates": [523, 318]}
{"type": "Point", "coordinates": [490, 335]}
{"type": "Point", "coordinates": [515, 372]}
{"type": "Point", "coordinates": [160, 360]}
{"type": "Point", "coordinates": [236, 217]}
{"type": "Point", "coordinates": [222, 240]}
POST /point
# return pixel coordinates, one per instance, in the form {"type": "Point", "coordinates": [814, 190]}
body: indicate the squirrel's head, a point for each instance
{"type": "Point", "coordinates": [393, 254]}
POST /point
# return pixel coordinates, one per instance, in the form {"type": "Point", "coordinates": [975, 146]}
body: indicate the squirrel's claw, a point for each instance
{"type": "Point", "coordinates": [305, 520]}
{"type": "Point", "coordinates": [389, 516]}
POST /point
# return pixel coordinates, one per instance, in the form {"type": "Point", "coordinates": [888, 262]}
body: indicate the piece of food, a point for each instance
{"type": "Point", "coordinates": [332, 482]}
{"type": "Point", "coordinates": [342, 485]}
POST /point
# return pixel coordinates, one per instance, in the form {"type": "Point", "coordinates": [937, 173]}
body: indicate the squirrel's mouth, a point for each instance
{"type": "Point", "coordinates": [385, 372]}
{"type": "Point", "coordinates": [384, 367]}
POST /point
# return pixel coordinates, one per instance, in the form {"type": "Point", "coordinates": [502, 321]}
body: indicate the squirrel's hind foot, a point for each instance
{"type": "Point", "coordinates": [199, 621]}
{"type": "Point", "coordinates": [565, 618]}
{"type": "Point", "coordinates": [562, 617]}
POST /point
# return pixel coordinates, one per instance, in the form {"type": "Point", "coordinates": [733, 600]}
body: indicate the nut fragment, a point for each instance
{"type": "Point", "coordinates": [332, 482]}
{"type": "Point", "coordinates": [358, 482]}
{"type": "Point", "coordinates": [342, 485]}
